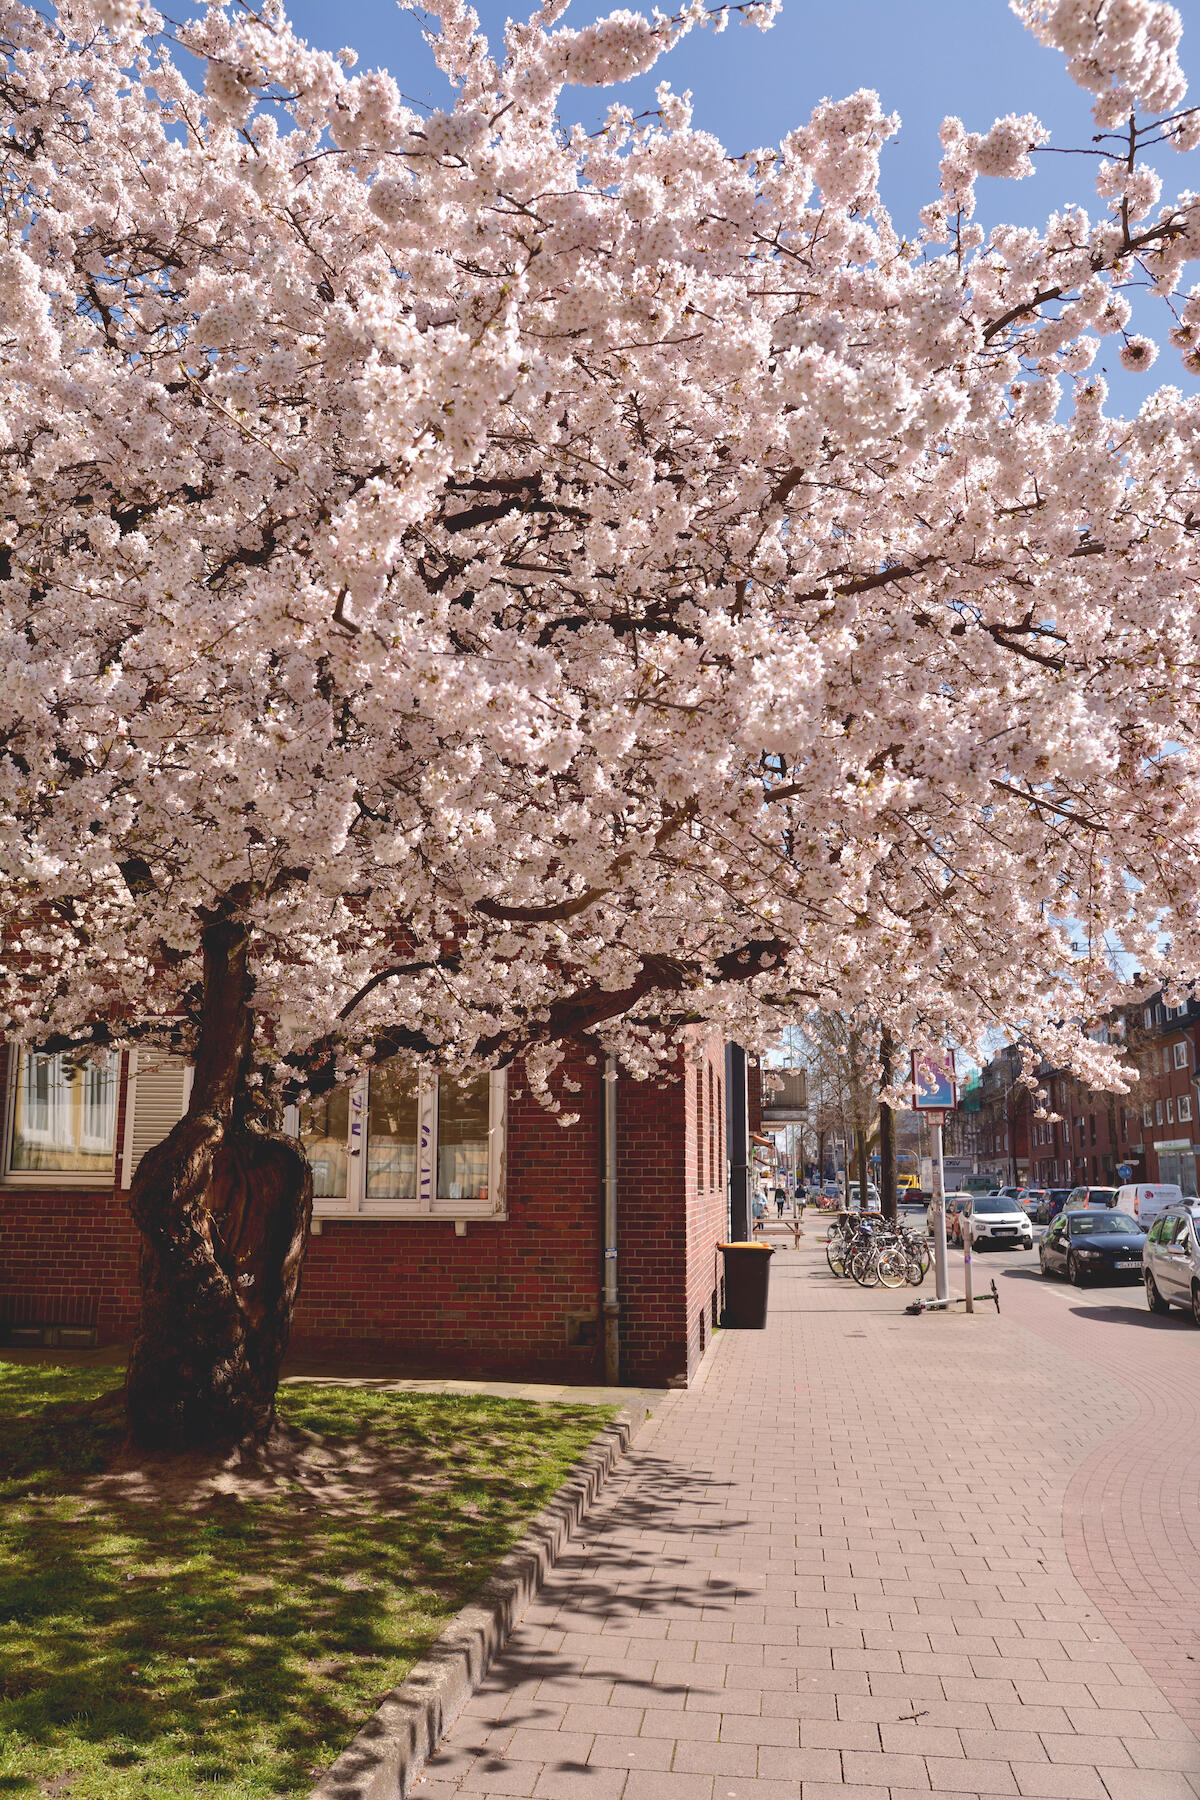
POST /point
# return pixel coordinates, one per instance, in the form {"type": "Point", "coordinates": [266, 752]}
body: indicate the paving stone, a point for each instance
{"type": "Point", "coordinates": [797, 1587]}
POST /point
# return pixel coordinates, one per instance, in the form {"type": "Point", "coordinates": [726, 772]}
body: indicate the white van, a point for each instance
{"type": "Point", "coordinates": [1149, 1200]}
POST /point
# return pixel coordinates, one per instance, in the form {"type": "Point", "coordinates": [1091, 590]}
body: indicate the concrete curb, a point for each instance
{"type": "Point", "coordinates": [390, 1751]}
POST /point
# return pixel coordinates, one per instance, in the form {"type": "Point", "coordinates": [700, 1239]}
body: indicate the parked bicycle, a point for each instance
{"type": "Point", "coordinates": [875, 1254]}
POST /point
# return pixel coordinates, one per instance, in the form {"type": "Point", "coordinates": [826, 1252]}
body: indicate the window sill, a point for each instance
{"type": "Point", "coordinates": [21, 1181]}
{"type": "Point", "coordinates": [447, 1213]}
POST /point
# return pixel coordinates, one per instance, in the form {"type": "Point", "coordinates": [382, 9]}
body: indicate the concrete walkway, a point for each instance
{"type": "Point", "coordinates": [839, 1565]}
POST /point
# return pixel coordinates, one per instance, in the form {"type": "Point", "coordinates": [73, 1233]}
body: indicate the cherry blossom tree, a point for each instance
{"type": "Point", "coordinates": [466, 582]}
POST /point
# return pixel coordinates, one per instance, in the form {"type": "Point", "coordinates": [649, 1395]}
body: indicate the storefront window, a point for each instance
{"type": "Point", "coordinates": [64, 1114]}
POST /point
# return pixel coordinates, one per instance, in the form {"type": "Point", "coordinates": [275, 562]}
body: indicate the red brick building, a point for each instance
{"type": "Point", "coordinates": [1086, 1143]}
{"type": "Point", "coordinates": [456, 1226]}
{"type": "Point", "coordinates": [1149, 1134]}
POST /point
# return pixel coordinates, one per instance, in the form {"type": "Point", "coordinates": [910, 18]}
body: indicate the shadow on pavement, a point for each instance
{"type": "Point", "coordinates": [1132, 1315]}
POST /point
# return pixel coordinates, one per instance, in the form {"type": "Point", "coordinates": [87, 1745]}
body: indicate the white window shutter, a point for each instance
{"type": "Point", "coordinates": [159, 1085]}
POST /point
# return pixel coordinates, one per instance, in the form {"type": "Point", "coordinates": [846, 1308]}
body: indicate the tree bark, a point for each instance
{"type": "Point", "coordinates": [223, 1207]}
{"type": "Point", "coordinates": [860, 1132]}
{"type": "Point", "coordinates": [887, 1133]}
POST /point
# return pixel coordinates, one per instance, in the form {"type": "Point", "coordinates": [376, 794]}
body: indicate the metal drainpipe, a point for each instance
{"type": "Point", "coordinates": [612, 1308]}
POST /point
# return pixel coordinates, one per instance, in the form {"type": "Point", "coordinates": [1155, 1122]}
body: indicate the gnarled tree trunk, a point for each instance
{"type": "Point", "coordinates": [223, 1207]}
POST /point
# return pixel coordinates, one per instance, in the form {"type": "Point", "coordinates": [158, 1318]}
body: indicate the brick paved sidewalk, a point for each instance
{"type": "Point", "coordinates": [836, 1566]}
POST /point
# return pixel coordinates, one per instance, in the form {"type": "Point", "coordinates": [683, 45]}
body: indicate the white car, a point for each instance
{"type": "Point", "coordinates": [1171, 1261]}
{"type": "Point", "coordinates": [874, 1203]}
{"type": "Point", "coordinates": [997, 1221]}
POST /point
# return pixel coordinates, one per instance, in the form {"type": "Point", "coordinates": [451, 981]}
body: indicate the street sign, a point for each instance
{"type": "Point", "coordinates": [933, 1084]}
{"type": "Point", "coordinates": [1125, 1171]}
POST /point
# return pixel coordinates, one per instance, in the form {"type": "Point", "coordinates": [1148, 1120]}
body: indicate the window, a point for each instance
{"type": "Point", "coordinates": [1148, 1017]}
{"type": "Point", "coordinates": [401, 1143]}
{"type": "Point", "coordinates": [1147, 1114]}
{"type": "Point", "coordinates": [1158, 1113]}
{"type": "Point", "coordinates": [1183, 1109]}
{"type": "Point", "coordinates": [63, 1116]}
{"type": "Point", "coordinates": [1170, 1110]}
{"type": "Point", "coordinates": [1181, 1056]}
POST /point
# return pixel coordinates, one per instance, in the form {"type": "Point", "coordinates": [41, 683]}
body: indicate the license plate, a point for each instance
{"type": "Point", "coordinates": [1128, 1265]}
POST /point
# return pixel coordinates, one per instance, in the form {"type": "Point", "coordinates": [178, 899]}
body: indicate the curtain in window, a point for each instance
{"type": "Point", "coordinates": [463, 1117]}
{"type": "Point", "coordinates": [64, 1114]}
{"type": "Point", "coordinates": [323, 1129]}
{"type": "Point", "coordinates": [392, 1133]}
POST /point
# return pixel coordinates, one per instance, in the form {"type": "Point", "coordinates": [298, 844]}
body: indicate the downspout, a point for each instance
{"type": "Point", "coordinates": [612, 1307]}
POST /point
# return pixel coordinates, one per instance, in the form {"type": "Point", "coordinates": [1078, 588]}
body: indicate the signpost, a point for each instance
{"type": "Point", "coordinates": [935, 1092]}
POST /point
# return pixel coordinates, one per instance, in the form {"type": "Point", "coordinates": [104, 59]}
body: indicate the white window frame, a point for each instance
{"type": "Point", "coordinates": [94, 1179]}
{"type": "Point", "coordinates": [426, 1203]}
{"type": "Point", "coordinates": [1158, 1112]}
{"type": "Point", "coordinates": [1183, 1109]}
{"type": "Point", "coordinates": [1147, 1113]}
{"type": "Point", "coordinates": [1180, 1051]}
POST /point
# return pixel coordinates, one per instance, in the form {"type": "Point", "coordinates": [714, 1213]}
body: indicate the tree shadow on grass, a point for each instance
{"type": "Point", "coordinates": [162, 1633]}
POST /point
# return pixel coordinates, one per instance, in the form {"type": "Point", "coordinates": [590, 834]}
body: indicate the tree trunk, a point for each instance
{"type": "Point", "coordinates": [887, 1133]}
{"type": "Point", "coordinates": [223, 1207]}
{"type": "Point", "coordinates": [861, 1134]}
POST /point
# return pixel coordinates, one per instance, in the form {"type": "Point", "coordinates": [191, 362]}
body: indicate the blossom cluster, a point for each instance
{"type": "Point", "coordinates": [547, 583]}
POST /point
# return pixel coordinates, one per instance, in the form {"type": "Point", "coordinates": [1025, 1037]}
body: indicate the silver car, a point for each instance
{"type": "Point", "coordinates": [1171, 1262]}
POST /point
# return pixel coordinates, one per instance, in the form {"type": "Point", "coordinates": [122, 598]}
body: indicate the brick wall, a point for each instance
{"type": "Point", "coordinates": [68, 1256]}
{"type": "Point", "coordinates": [672, 1213]}
{"type": "Point", "coordinates": [508, 1298]}
{"type": "Point", "coordinates": [519, 1298]}
{"type": "Point", "coordinates": [707, 1201]}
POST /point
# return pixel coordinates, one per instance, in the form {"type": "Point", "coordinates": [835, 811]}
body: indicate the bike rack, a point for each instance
{"type": "Point", "coordinates": [923, 1306]}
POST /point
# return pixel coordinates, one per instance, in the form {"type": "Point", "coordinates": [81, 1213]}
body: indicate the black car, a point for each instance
{"type": "Point", "coordinates": [1093, 1244]}
{"type": "Point", "coordinates": [1051, 1205]}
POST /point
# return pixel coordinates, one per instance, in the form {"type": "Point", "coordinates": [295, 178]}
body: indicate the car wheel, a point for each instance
{"type": "Point", "coordinates": [1074, 1272]}
{"type": "Point", "coordinates": [1196, 1302]}
{"type": "Point", "coordinates": [1154, 1299]}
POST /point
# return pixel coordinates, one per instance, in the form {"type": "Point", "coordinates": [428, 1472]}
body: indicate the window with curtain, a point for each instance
{"type": "Point", "coordinates": [64, 1114]}
{"type": "Point", "coordinates": [403, 1141]}
{"type": "Point", "coordinates": [463, 1125]}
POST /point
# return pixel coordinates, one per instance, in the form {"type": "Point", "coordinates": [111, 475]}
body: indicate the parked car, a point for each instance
{"type": "Point", "coordinates": [1149, 1200]}
{"type": "Point", "coordinates": [1093, 1244]}
{"type": "Point", "coordinates": [1029, 1199]}
{"type": "Point", "coordinates": [994, 1220]}
{"type": "Point", "coordinates": [1092, 1196]}
{"type": "Point", "coordinates": [1171, 1262]}
{"type": "Point", "coordinates": [954, 1205]}
{"type": "Point", "coordinates": [874, 1203]}
{"type": "Point", "coordinates": [1052, 1204]}
{"type": "Point", "coordinates": [1006, 1193]}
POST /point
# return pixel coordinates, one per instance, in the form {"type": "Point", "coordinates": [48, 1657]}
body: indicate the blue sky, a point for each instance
{"type": "Point", "coordinates": [926, 58]}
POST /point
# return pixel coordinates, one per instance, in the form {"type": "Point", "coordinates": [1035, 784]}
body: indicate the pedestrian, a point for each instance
{"type": "Point", "coordinates": [801, 1200]}
{"type": "Point", "coordinates": [780, 1200]}
{"type": "Point", "coordinates": [760, 1208]}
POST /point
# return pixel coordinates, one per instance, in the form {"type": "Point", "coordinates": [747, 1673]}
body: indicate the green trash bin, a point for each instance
{"type": "Point", "coordinates": [747, 1273]}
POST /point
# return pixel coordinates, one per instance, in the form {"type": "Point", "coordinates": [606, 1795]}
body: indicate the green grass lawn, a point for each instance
{"type": "Point", "coordinates": [232, 1644]}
